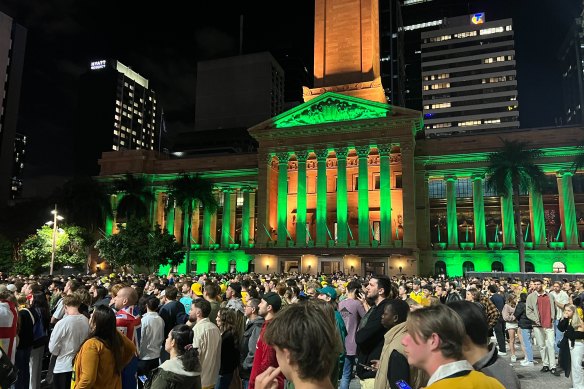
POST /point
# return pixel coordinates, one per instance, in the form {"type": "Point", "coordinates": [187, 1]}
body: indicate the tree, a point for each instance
{"type": "Point", "coordinates": [511, 170]}
{"type": "Point", "coordinates": [35, 252]}
{"type": "Point", "coordinates": [138, 245]}
{"type": "Point", "coordinates": [136, 199]}
{"type": "Point", "coordinates": [188, 191]}
{"type": "Point", "coordinates": [85, 202]}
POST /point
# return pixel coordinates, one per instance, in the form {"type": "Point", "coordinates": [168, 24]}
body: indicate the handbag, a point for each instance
{"type": "Point", "coordinates": [8, 372]}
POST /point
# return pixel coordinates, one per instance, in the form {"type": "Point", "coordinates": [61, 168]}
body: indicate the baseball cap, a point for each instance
{"type": "Point", "coordinates": [329, 291]}
{"type": "Point", "coordinates": [274, 300]}
{"type": "Point", "coordinates": [197, 289]}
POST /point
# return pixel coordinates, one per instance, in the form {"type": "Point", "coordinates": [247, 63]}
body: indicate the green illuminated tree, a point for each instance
{"type": "Point", "coordinates": [188, 191]}
{"type": "Point", "coordinates": [137, 244]}
{"type": "Point", "coordinates": [35, 252]}
{"type": "Point", "coordinates": [512, 170]}
{"type": "Point", "coordinates": [136, 199]}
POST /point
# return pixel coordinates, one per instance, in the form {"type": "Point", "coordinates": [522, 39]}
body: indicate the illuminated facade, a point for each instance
{"type": "Point", "coordinates": [343, 183]}
{"type": "Point", "coordinates": [18, 165]}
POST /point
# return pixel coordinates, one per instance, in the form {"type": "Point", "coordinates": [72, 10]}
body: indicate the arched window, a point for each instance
{"type": "Point", "coordinates": [232, 266]}
{"type": "Point", "coordinates": [440, 268]}
{"type": "Point", "coordinates": [467, 266]}
{"type": "Point", "coordinates": [251, 266]}
{"type": "Point", "coordinates": [213, 267]}
{"type": "Point", "coordinates": [497, 266]}
{"type": "Point", "coordinates": [529, 267]}
{"type": "Point", "coordinates": [559, 267]}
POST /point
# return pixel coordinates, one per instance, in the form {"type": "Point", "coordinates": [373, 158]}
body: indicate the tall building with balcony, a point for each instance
{"type": "Point", "coordinates": [469, 76]}
{"type": "Point", "coordinates": [117, 111]}
{"type": "Point", "coordinates": [12, 48]}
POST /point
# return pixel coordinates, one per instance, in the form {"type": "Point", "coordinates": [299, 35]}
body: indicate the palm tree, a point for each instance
{"type": "Point", "coordinates": [188, 191]}
{"type": "Point", "coordinates": [85, 202]}
{"type": "Point", "coordinates": [578, 159]}
{"type": "Point", "coordinates": [511, 170]}
{"type": "Point", "coordinates": [137, 197]}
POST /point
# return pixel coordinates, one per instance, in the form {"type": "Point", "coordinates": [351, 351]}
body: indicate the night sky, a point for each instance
{"type": "Point", "coordinates": [164, 42]}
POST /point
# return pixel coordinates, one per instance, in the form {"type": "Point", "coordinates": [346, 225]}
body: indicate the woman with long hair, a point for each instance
{"type": "Point", "coordinates": [227, 322]}
{"type": "Point", "coordinates": [525, 326]}
{"type": "Point", "coordinates": [103, 355]}
{"type": "Point", "coordinates": [183, 369]}
{"type": "Point", "coordinates": [39, 306]}
{"type": "Point", "coordinates": [511, 325]}
{"type": "Point", "coordinates": [572, 345]}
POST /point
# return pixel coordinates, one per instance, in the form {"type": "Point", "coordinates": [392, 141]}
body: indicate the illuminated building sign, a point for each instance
{"type": "Point", "coordinates": [478, 18]}
{"type": "Point", "coordinates": [98, 64]}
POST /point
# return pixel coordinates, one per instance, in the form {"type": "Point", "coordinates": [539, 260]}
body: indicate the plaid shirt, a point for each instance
{"type": "Point", "coordinates": [491, 310]}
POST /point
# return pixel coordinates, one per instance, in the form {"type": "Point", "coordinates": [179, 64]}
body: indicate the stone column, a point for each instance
{"type": "Point", "coordinates": [264, 175]}
{"type": "Point", "coordinates": [567, 209]}
{"type": "Point", "coordinates": [409, 195]}
{"type": "Point", "coordinates": [508, 219]}
{"type": "Point", "coordinates": [363, 196]}
{"type": "Point", "coordinates": [342, 200]}
{"type": "Point", "coordinates": [451, 216]}
{"type": "Point", "coordinates": [301, 156]}
{"type": "Point", "coordinates": [195, 223]}
{"type": "Point", "coordinates": [478, 203]}
{"type": "Point", "coordinates": [245, 219]}
{"type": "Point", "coordinates": [282, 199]}
{"type": "Point", "coordinates": [206, 234]}
{"type": "Point", "coordinates": [321, 214]}
{"type": "Point", "coordinates": [385, 196]}
{"type": "Point", "coordinates": [537, 220]}
{"type": "Point", "coordinates": [252, 215]}
{"type": "Point", "coordinates": [226, 219]}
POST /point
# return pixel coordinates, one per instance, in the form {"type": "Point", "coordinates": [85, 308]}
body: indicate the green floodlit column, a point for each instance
{"type": "Point", "coordinates": [301, 156]}
{"type": "Point", "coordinates": [569, 222]}
{"type": "Point", "coordinates": [385, 195]}
{"type": "Point", "coordinates": [478, 202]}
{"type": "Point", "coordinates": [226, 219]}
{"type": "Point", "coordinates": [321, 232]}
{"type": "Point", "coordinates": [245, 218]}
{"type": "Point", "coordinates": [508, 219]}
{"type": "Point", "coordinates": [342, 202]}
{"type": "Point", "coordinates": [363, 196]}
{"type": "Point", "coordinates": [170, 219]}
{"type": "Point", "coordinates": [206, 229]}
{"type": "Point", "coordinates": [451, 216]}
{"type": "Point", "coordinates": [282, 199]}
{"type": "Point", "coordinates": [537, 219]}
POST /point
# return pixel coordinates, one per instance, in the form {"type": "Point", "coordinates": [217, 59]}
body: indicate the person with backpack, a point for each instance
{"type": "Point", "coordinates": [42, 318]}
{"type": "Point", "coordinates": [24, 347]}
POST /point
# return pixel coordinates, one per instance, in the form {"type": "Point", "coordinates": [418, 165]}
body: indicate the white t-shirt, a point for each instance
{"type": "Point", "coordinates": [68, 335]}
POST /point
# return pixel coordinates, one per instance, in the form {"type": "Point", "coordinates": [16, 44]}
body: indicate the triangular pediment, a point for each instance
{"type": "Point", "coordinates": [331, 107]}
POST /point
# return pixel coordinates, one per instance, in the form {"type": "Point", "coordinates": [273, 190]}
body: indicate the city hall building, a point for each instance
{"type": "Point", "coordinates": [346, 182]}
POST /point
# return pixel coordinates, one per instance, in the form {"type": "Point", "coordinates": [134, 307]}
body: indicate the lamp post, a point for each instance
{"type": "Point", "coordinates": [56, 218]}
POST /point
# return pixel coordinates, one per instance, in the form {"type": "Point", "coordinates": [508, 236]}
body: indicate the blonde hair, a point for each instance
{"type": "Point", "coordinates": [575, 321]}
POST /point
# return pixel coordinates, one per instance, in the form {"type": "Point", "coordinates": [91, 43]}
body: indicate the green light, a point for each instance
{"type": "Point", "coordinates": [332, 107]}
{"type": "Point", "coordinates": [109, 225]}
{"type": "Point", "coordinates": [537, 218]}
{"type": "Point", "coordinates": [321, 237]}
{"type": "Point", "coordinates": [301, 197]}
{"type": "Point", "coordinates": [282, 199]}
{"type": "Point", "coordinates": [245, 219]}
{"type": "Point", "coordinates": [226, 220]}
{"type": "Point", "coordinates": [479, 212]}
{"type": "Point", "coordinates": [363, 196]}
{"type": "Point", "coordinates": [170, 220]}
{"type": "Point", "coordinates": [342, 202]}
{"type": "Point", "coordinates": [451, 217]}
{"type": "Point", "coordinates": [205, 238]}
{"type": "Point", "coordinates": [570, 222]}
{"type": "Point", "coordinates": [385, 195]}
{"type": "Point", "coordinates": [508, 220]}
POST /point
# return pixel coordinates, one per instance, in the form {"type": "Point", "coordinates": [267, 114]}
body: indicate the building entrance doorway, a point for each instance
{"type": "Point", "coordinates": [289, 266]}
{"type": "Point", "coordinates": [330, 267]}
{"type": "Point", "coordinates": [375, 268]}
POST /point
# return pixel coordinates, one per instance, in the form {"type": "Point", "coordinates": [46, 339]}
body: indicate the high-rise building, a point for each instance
{"type": "Point", "coordinates": [12, 46]}
{"type": "Point", "coordinates": [117, 111]}
{"type": "Point", "coordinates": [237, 92]}
{"type": "Point", "coordinates": [469, 81]}
{"type": "Point", "coordinates": [18, 165]}
{"type": "Point", "coordinates": [401, 25]}
{"type": "Point", "coordinates": [571, 56]}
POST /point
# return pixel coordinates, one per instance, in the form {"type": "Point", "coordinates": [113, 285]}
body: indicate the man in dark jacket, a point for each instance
{"type": "Point", "coordinates": [249, 339]}
{"type": "Point", "coordinates": [173, 313]}
{"type": "Point", "coordinates": [499, 327]}
{"type": "Point", "coordinates": [370, 334]}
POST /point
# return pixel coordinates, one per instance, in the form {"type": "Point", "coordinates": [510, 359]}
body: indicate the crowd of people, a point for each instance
{"type": "Point", "coordinates": [287, 331]}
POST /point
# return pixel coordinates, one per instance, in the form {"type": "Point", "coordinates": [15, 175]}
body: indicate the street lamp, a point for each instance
{"type": "Point", "coordinates": [53, 223]}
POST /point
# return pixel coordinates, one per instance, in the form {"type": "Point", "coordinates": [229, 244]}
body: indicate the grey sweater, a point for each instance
{"type": "Point", "coordinates": [497, 368]}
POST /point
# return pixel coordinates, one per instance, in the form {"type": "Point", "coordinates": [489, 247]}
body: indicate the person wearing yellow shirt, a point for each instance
{"type": "Point", "coordinates": [416, 294]}
{"type": "Point", "coordinates": [433, 343]}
